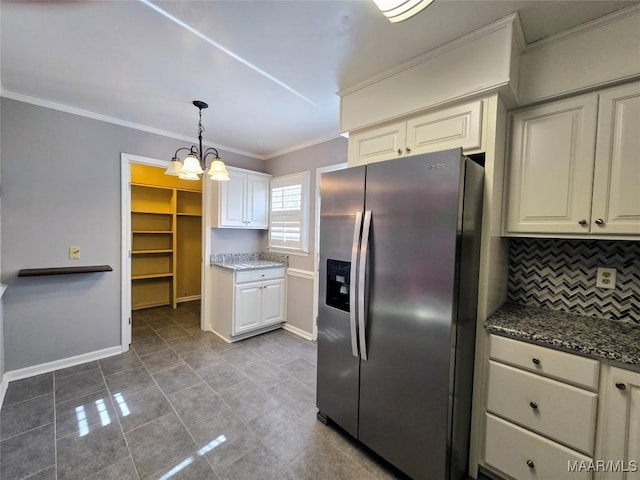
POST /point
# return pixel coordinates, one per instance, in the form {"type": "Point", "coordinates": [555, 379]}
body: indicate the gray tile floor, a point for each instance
{"type": "Point", "coordinates": [182, 404]}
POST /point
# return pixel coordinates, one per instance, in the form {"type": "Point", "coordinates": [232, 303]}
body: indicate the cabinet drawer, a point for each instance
{"type": "Point", "coordinates": [508, 448]}
{"type": "Point", "coordinates": [559, 411]}
{"type": "Point", "coordinates": [567, 367]}
{"type": "Point", "coordinates": [258, 275]}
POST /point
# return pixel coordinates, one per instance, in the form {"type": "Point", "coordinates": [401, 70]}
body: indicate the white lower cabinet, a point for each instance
{"type": "Point", "coordinates": [540, 418]}
{"type": "Point", "coordinates": [258, 304]}
{"type": "Point", "coordinates": [552, 415]}
{"type": "Point", "coordinates": [247, 302]}
{"type": "Point", "coordinates": [621, 442]}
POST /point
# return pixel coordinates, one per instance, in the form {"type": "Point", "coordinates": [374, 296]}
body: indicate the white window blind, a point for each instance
{"type": "Point", "coordinates": [288, 223]}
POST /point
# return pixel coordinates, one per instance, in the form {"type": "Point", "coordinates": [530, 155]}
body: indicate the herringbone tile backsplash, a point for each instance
{"type": "Point", "coordinates": [561, 275]}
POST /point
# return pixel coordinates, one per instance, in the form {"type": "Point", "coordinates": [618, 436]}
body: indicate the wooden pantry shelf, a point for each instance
{"type": "Point", "coordinates": [39, 272]}
{"type": "Point", "coordinates": [148, 276]}
{"type": "Point", "coordinates": [153, 232]}
{"type": "Point", "coordinates": [147, 252]}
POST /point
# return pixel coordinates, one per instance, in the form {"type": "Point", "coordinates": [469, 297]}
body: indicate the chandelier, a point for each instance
{"type": "Point", "coordinates": [195, 163]}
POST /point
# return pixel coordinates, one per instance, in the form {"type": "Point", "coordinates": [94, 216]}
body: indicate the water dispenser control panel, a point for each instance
{"type": "Point", "coordinates": [338, 284]}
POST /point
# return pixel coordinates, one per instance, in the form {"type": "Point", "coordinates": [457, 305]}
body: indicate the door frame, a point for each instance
{"type": "Point", "coordinates": [316, 244]}
{"type": "Point", "coordinates": [126, 159]}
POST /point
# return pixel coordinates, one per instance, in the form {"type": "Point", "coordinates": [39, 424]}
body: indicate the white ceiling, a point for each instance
{"type": "Point", "coordinates": [268, 69]}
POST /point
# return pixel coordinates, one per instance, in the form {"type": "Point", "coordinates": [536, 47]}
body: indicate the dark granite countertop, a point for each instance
{"type": "Point", "coordinates": [597, 337]}
{"type": "Point", "coordinates": [249, 265]}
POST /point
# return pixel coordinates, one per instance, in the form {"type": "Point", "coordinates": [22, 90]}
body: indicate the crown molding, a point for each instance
{"type": "Point", "coordinates": [436, 52]}
{"type": "Point", "coordinates": [117, 121]}
{"type": "Point", "coordinates": [591, 25]}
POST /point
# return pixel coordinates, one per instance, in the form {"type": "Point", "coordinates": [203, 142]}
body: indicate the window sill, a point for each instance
{"type": "Point", "coordinates": [297, 253]}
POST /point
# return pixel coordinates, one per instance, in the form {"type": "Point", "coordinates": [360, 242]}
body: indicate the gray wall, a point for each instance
{"type": "Point", "coordinates": [310, 158]}
{"type": "Point", "coordinates": [61, 187]}
{"type": "Point", "coordinates": [300, 290]}
{"type": "Point", "coordinates": [1, 300]}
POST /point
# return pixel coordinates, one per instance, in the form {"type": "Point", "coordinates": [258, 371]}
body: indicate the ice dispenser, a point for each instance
{"type": "Point", "coordinates": [338, 281]}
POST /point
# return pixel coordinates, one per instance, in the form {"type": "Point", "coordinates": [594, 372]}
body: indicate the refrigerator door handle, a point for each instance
{"type": "Point", "coordinates": [357, 229]}
{"type": "Point", "coordinates": [362, 267]}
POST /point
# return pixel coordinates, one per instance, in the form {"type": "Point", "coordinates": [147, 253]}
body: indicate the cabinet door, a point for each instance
{"type": "Point", "coordinates": [622, 423]}
{"type": "Point", "coordinates": [248, 307]}
{"type": "Point", "coordinates": [232, 200]}
{"type": "Point", "coordinates": [551, 167]}
{"type": "Point", "coordinates": [454, 127]}
{"type": "Point", "coordinates": [378, 144]}
{"type": "Point", "coordinates": [273, 302]}
{"type": "Point", "coordinates": [616, 184]}
{"type": "Point", "coordinates": [257, 201]}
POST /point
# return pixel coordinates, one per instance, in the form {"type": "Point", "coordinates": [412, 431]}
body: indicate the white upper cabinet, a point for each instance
{"type": "Point", "coordinates": [453, 127]}
{"type": "Point", "coordinates": [616, 183]}
{"type": "Point", "coordinates": [377, 144]}
{"type": "Point", "coordinates": [551, 167]}
{"type": "Point", "coordinates": [257, 215]}
{"type": "Point", "coordinates": [243, 201]}
{"type": "Point", "coordinates": [232, 199]}
{"type": "Point", "coordinates": [573, 167]}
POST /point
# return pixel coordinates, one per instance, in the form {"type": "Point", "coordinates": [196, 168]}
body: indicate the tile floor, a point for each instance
{"type": "Point", "coordinates": [182, 404]}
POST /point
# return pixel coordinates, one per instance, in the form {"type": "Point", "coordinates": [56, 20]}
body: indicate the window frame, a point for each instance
{"type": "Point", "coordinates": [303, 179]}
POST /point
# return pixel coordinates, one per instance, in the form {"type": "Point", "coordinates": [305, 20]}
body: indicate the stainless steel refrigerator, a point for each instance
{"type": "Point", "coordinates": [399, 259]}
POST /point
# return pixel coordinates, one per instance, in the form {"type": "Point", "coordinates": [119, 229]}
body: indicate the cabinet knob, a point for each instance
{"type": "Point", "coordinates": [399, 151]}
{"type": "Point", "coordinates": [533, 405]}
{"type": "Point", "coordinates": [536, 361]}
{"type": "Point", "coordinates": [583, 222]}
{"type": "Point", "coordinates": [530, 464]}
{"type": "Point", "coordinates": [621, 386]}
{"type": "Point", "coordinates": [408, 150]}
{"type": "Point", "coordinates": [600, 222]}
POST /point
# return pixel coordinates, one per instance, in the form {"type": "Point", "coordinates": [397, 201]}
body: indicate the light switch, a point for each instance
{"type": "Point", "coordinates": [606, 278]}
{"type": "Point", "coordinates": [74, 253]}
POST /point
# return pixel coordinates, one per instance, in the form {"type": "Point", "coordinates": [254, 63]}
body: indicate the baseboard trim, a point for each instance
{"type": "Point", "coordinates": [58, 364]}
{"type": "Point", "coordinates": [298, 331]}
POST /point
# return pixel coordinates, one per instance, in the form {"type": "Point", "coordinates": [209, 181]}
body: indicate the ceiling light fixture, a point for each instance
{"type": "Point", "coordinates": [195, 163]}
{"type": "Point", "coordinates": [399, 10]}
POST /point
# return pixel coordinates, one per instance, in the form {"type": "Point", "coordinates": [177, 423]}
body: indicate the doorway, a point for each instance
{"type": "Point", "coordinates": [162, 233]}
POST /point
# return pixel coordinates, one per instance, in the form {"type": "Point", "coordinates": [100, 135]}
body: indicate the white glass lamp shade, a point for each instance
{"type": "Point", "coordinates": [218, 171]}
{"type": "Point", "coordinates": [191, 165]}
{"type": "Point", "coordinates": [174, 168]}
{"type": "Point", "coordinates": [188, 176]}
{"type": "Point", "coordinates": [399, 10]}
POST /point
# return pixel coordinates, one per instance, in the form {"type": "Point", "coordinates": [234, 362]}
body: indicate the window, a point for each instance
{"type": "Point", "coordinates": [289, 216]}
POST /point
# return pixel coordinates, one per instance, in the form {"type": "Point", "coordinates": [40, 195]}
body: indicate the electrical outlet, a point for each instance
{"type": "Point", "coordinates": [74, 253]}
{"type": "Point", "coordinates": [606, 278]}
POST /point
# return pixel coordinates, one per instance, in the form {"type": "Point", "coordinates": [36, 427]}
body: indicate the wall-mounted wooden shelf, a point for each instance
{"type": "Point", "coordinates": [39, 272]}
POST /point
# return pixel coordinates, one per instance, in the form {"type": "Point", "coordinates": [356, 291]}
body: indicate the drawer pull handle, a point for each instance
{"type": "Point", "coordinates": [530, 464]}
{"type": "Point", "coordinates": [583, 222]}
{"type": "Point", "coordinates": [536, 361]}
{"type": "Point", "coordinates": [621, 386]}
{"type": "Point", "coordinates": [533, 405]}
{"type": "Point", "coordinates": [399, 151]}
{"type": "Point", "coordinates": [600, 222]}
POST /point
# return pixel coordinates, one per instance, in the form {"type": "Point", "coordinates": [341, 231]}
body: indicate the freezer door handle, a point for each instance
{"type": "Point", "coordinates": [362, 268]}
{"type": "Point", "coordinates": [357, 229]}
